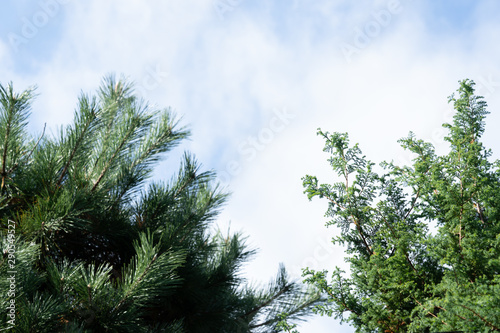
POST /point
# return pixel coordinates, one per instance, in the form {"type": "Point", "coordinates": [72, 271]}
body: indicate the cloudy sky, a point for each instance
{"type": "Point", "coordinates": [254, 79]}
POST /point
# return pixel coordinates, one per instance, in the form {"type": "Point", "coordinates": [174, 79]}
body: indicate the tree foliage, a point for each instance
{"type": "Point", "coordinates": [94, 248]}
{"type": "Point", "coordinates": [423, 241]}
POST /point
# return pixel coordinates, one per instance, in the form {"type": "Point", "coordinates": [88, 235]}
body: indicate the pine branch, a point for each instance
{"type": "Point", "coordinates": [14, 167]}
{"type": "Point", "coordinates": [285, 289]}
{"type": "Point", "coordinates": [14, 112]}
{"type": "Point", "coordinates": [84, 133]}
{"type": "Point", "coordinates": [160, 139]}
{"type": "Point", "coordinates": [112, 157]}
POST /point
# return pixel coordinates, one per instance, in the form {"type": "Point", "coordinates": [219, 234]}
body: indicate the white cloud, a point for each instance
{"type": "Point", "coordinates": [3, 54]}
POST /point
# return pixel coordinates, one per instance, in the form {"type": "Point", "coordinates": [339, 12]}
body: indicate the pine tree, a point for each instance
{"type": "Point", "coordinates": [423, 241]}
{"type": "Point", "coordinates": [89, 245]}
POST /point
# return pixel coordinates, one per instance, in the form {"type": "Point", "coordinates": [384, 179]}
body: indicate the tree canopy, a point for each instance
{"type": "Point", "coordinates": [89, 244]}
{"type": "Point", "coordinates": [423, 240]}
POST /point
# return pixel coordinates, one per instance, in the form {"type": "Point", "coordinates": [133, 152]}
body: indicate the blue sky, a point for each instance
{"type": "Point", "coordinates": [255, 79]}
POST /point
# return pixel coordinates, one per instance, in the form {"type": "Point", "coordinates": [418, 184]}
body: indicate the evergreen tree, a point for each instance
{"type": "Point", "coordinates": [423, 241]}
{"type": "Point", "coordinates": [88, 246]}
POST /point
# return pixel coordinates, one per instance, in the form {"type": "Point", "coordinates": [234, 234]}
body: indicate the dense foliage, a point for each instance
{"type": "Point", "coordinates": [423, 241]}
{"type": "Point", "coordinates": [88, 246]}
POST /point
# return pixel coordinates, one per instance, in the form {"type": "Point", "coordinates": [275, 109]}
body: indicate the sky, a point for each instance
{"type": "Point", "coordinates": [254, 80]}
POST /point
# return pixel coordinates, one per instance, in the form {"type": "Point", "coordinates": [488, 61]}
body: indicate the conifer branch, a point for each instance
{"type": "Point", "coordinates": [112, 157]}
{"type": "Point", "coordinates": [5, 148]}
{"type": "Point", "coordinates": [77, 145]}
{"type": "Point", "coordinates": [490, 324]}
{"type": "Point", "coordinates": [428, 312]}
{"type": "Point", "coordinates": [14, 167]}
{"type": "Point", "coordinates": [274, 320]}
{"type": "Point", "coordinates": [269, 301]}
